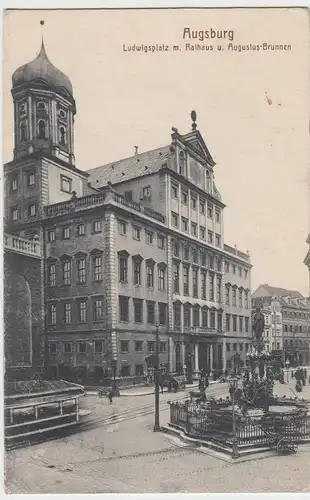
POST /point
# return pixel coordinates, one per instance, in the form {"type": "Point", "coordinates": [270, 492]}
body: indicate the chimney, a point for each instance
{"type": "Point", "coordinates": [136, 150]}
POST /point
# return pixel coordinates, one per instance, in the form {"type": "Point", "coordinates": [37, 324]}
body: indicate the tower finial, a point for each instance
{"type": "Point", "coordinates": [42, 24]}
{"type": "Point", "coordinates": [194, 118]}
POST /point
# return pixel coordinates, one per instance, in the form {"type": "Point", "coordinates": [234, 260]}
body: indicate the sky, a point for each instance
{"type": "Point", "coordinates": [252, 108]}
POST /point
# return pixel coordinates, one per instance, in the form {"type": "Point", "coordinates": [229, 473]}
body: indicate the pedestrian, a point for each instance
{"type": "Point", "coordinates": [201, 384]}
{"type": "Point", "coordinates": [110, 396]}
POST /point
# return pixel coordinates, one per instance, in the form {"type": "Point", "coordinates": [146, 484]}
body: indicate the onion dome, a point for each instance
{"type": "Point", "coordinates": [41, 69]}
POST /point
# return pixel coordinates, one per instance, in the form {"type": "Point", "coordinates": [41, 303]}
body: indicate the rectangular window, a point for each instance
{"type": "Point", "coordinates": [81, 347]}
{"type": "Point", "coordinates": [234, 269]}
{"type": "Point", "coordinates": [124, 345]}
{"type": "Point", "coordinates": [202, 232]}
{"type": "Point", "coordinates": [32, 210]}
{"type": "Point", "coordinates": [196, 316]}
{"type": "Point", "coordinates": [151, 346]}
{"type": "Point", "coordinates": [211, 262]}
{"type": "Point", "coordinates": [125, 371]}
{"type": "Point", "coordinates": [98, 309]}
{"type": "Point", "coordinates": [177, 315]}
{"type": "Point", "coordinates": [203, 285]}
{"type": "Point", "coordinates": [212, 319]}
{"type": "Point", "coordinates": [235, 347]}
{"type": "Point", "coordinates": [204, 318]}
{"type": "Point", "coordinates": [138, 346]}
{"type": "Point", "coordinates": [226, 267]}
{"type": "Point", "coordinates": [174, 219]}
{"type": "Point", "coordinates": [245, 273]}
{"type": "Point", "coordinates": [137, 273]}
{"type": "Point", "coordinates": [97, 226]}
{"type": "Point", "coordinates": [195, 255]}
{"type": "Point", "coordinates": [211, 287]}
{"type": "Point", "coordinates": [186, 252]}
{"type": "Point", "coordinates": [122, 227]}
{"type": "Point", "coordinates": [202, 205]}
{"type": "Point", "coordinates": [234, 297]}
{"type": "Point", "coordinates": [67, 347]}
{"type": "Point", "coordinates": [81, 270]}
{"type": "Point", "coordinates": [163, 347]}
{"type": "Point", "coordinates": [51, 270]}
{"type": "Point", "coordinates": [52, 314]}
{"type": "Point", "coordinates": [218, 289]}
{"type": "Point", "coordinates": [14, 213]}
{"type": "Point", "coordinates": [161, 241]}
{"type": "Point", "coordinates": [162, 313]}
{"type": "Point", "coordinates": [174, 191]}
{"type": "Point", "coordinates": [184, 224]}
{"type": "Point", "coordinates": [136, 233]}
{"type": "Point", "coordinates": [82, 310]}
{"type": "Point", "coordinates": [187, 316]}
{"type": "Point", "coordinates": [161, 278]}
{"type": "Point", "coordinates": [175, 248]}
{"type": "Point", "coordinates": [234, 323]}
{"type": "Point", "coordinates": [123, 269]}
{"type": "Point", "coordinates": [149, 237]}
{"type": "Point", "coordinates": [246, 295]}
{"type": "Point", "coordinates": [128, 195]}
{"type": "Point", "coordinates": [65, 184]}
{"type": "Point", "coordinates": [210, 211]}
{"type": "Point", "coordinates": [146, 193]}
{"type": "Point", "coordinates": [217, 216]}
{"type": "Point", "coordinates": [51, 236]}
{"type": "Point", "coordinates": [31, 179]}
{"type": "Point", "coordinates": [228, 347]}
{"type": "Point", "coordinates": [66, 233]}
{"type": "Point", "coordinates": [247, 325]}
{"type": "Point", "coordinates": [210, 237]}
{"type": "Point", "coordinates": [194, 229]}
{"type": "Point", "coordinates": [66, 273]}
{"type": "Point", "coordinates": [195, 282]}
{"type": "Point", "coordinates": [217, 240]}
{"type": "Point", "coordinates": [219, 321]}
{"type": "Point", "coordinates": [240, 272]}
{"type": "Point", "coordinates": [228, 322]}
{"type": "Point", "coordinates": [241, 347]}
{"type": "Point", "coordinates": [139, 371]}
{"type": "Point", "coordinates": [138, 310]}
{"type": "Point", "coordinates": [150, 312]}
{"type": "Point", "coordinates": [227, 295]}
{"type": "Point", "coordinates": [80, 230]}
{"type": "Point", "coordinates": [98, 346]}
{"type": "Point", "coordinates": [240, 298]}
{"type": "Point", "coordinates": [240, 324]}
{"type": "Point", "coordinates": [123, 308]}
{"type": "Point", "coordinates": [176, 278]}
{"type": "Point", "coordinates": [185, 280]}
{"type": "Point", "coordinates": [194, 202]}
{"type": "Point", "coordinates": [184, 197]}
{"type": "Point", "coordinates": [97, 268]}
{"type": "Point", "coordinates": [67, 313]}
{"type": "Point", "coordinates": [150, 276]}
{"type": "Point", "coordinates": [52, 347]}
{"type": "Point", "coordinates": [14, 184]}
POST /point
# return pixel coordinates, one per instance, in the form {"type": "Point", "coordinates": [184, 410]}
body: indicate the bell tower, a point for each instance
{"type": "Point", "coordinates": [44, 110]}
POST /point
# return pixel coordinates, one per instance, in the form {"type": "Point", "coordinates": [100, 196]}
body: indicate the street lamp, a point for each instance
{"type": "Point", "coordinates": [287, 364]}
{"type": "Point", "coordinates": [156, 423]}
{"type": "Point", "coordinates": [233, 384]}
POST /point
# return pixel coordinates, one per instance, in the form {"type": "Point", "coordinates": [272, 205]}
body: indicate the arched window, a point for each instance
{"type": "Point", "coordinates": [41, 129]}
{"type": "Point", "coordinates": [62, 113]}
{"type": "Point", "coordinates": [181, 163]}
{"type": "Point", "coordinates": [22, 108]}
{"type": "Point", "coordinates": [62, 135]}
{"type": "Point", "coordinates": [23, 131]}
{"type": "Point", "coordinates": [41, 106]}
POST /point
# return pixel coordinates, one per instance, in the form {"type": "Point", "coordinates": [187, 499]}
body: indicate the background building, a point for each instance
{"type": "Point", "coordinates": [287, 321]}
{"type": "Point", "coordinates": [126, 246]}
{"type": "Point", "coordinates": [307, 260]}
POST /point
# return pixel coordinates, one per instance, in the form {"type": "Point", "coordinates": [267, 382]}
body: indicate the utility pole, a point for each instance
{"type": "Point", "coordinates": [156, 423]}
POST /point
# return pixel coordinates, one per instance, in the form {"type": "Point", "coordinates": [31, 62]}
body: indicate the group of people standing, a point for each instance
{"type": "Point", "coordinates": [300, 375]}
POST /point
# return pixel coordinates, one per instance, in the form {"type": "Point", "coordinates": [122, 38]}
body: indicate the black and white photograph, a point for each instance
{"type": "Point", "coordinates": [156, 251]}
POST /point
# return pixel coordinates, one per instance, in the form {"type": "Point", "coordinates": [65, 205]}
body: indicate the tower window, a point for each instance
{"type": "Point", "coordinates": [22, 109]}
{"type": "Point", "coordinates": [41, 129]}
{"type": "Point", "coordinates": [41, 106]}
{"type": "Point", "coordinates": [32, 209]}
{"type": "Point", "coordinates": [14, 213]}
{"type": "Point", "coordinates": [23, 131]}
{"type": "Point", "coordinates": [31, 179]}
{"type": "Point", "coordinates": [66, 184]}
{"type": "Point", "coordinates": [62, 113]}
{"type": "Point", "coordinates": [62, 135]}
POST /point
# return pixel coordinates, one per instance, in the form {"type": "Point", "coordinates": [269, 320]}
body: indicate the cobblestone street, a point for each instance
{"type": "Point", "coordinates": [127, 457]}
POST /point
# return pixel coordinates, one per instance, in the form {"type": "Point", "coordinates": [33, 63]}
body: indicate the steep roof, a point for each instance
{"type": "Point", "coordinates": [135, 166]}
{"type": "Point", "coordinates": [270, 291]}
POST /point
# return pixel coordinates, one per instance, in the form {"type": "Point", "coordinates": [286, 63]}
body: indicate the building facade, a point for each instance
{"type": "Point", "coordinates": [287, 322]}
{"type": "Point", "coordinates": [307, 260]}
{"type": "Point", "coordinates": [128, 247]}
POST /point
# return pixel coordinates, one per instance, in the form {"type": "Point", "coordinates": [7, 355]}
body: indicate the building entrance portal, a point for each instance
{"type": "Point", "coordinates": [204, 357]}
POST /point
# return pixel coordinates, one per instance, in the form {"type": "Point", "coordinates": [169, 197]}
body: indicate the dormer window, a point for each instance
{"type": "Point", "coordinates": [41, 129]}
{"type": "Point", "coordinates": [62, 136]}
{"type": "Point", "coordinates": [23, 131]}
{"type": "Point", "coordinates": [41, 106]}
